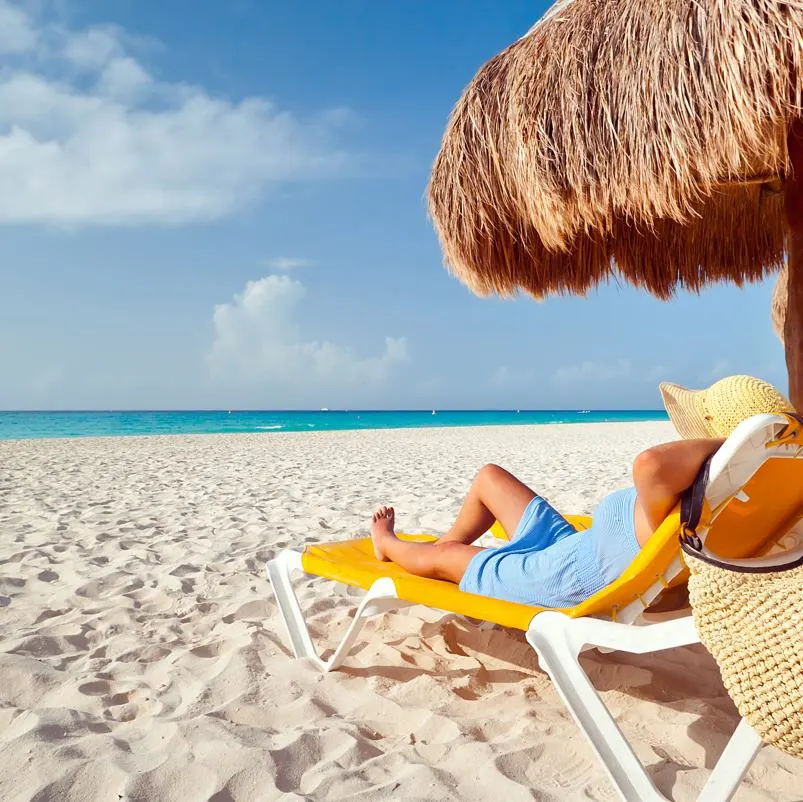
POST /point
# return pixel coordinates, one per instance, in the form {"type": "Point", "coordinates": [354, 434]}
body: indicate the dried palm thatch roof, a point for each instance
{"type": "Point", "coordinates": [646, 133]}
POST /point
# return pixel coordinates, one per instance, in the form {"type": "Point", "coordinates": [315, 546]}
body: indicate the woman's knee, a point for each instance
{"type": "Point", "coordinates": [447, 547]}
{"type": "Point", "coordinates": [490, 474]}
{"type": "Point", "coordinates": [450, 559]}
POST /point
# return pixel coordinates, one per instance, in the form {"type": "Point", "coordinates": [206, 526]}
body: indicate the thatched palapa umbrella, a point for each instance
{"type": "Point", "coordinates": [659, 138]}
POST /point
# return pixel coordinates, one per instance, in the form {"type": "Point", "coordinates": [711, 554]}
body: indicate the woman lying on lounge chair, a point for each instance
{"type": "Point", "coordinates": [547, 561]}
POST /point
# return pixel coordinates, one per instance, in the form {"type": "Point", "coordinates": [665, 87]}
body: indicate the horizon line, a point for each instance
{"type": "Point", "coordinates": [333, 409]}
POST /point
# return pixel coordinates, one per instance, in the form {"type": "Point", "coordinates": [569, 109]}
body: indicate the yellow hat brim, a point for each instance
{"type": "Point", "coordinates": [681, 406]}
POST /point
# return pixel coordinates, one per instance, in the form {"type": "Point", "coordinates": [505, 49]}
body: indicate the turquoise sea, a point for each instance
{"type": "Point", "coordinates": [29, 425]}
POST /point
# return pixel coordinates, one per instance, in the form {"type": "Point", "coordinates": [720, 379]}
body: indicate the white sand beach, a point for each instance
{"type": "Point", "coordinates": [142, 658]}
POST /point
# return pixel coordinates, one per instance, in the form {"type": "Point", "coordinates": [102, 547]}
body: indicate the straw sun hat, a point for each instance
{"type": "Point", "coordinates": [718, 410]}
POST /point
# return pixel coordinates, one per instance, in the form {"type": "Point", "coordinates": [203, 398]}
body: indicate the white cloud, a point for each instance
{"type": "Point", "coordinates": [17, 35]}
{"type": "Point", "coordinates": [285, 263]}
{"type": "Point", "coordinates": [93, 48]}
{"type": "Point", "coordinates": [125, 80]}
{"type": "Point", "coordinates": [258, 342]}
{"type": "Point", "coordinates": [108, 143]}
{"type": "Point", "coordinates": [592, 373]}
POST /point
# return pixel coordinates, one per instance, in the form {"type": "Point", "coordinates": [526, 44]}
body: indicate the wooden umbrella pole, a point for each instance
{"type": "Point", "coordinates": [793, 328]}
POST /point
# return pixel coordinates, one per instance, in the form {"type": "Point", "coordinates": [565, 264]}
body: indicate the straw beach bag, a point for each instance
{"type": "Point", "coordinates": [749, 615]}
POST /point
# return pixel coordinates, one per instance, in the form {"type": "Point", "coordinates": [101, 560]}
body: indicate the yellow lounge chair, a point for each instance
{"type": "Point", "coordinates": [753, 500]}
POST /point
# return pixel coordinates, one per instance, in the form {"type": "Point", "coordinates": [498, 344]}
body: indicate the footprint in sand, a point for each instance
{"type": "Point", "coordinates": [207, 650]}
{"type": "Point", "coordinates": [126, 711]}
{"type": "Point", "coordinates": [95, 688]}
{"type": "Point", "coordinates": [184, 570]}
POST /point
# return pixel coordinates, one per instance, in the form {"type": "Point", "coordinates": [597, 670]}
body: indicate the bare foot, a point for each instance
{"type": "Point", "coordinates": [381, 529]}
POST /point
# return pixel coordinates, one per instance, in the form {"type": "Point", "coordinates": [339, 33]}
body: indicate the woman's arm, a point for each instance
{"type": "Point", "coordinates": [662, 473]}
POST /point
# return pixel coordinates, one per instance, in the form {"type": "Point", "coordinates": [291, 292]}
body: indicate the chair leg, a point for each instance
{"type": "Point", "coordinates": [732, 765]}
{"type": "Point", "coordinates": [380, 598]}
{"type": "Point", "coordinates": [553, 637]}
{"type": "Point", "coordinates": [558, 640]}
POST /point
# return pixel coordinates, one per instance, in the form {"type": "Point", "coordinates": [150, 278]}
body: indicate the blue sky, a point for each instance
{"type": "Point", "coordinates": [220, 204]}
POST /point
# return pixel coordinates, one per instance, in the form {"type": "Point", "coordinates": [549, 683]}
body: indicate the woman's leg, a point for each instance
{"type": "Point", "coordinates": [436, 560]}
{"type": "Point", "coordinates": [495, 495]}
